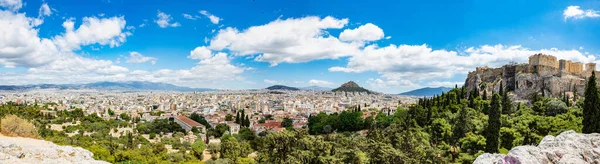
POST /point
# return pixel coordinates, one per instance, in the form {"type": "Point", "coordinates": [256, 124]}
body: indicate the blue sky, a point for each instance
{"type": "Point", "coordinates": [386, 46]}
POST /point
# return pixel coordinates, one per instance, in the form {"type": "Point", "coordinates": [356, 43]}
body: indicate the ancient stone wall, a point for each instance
{"type": "Point", "coordinates": [543, 60]}
{"type": "Point", "coordinates": [575, 67]}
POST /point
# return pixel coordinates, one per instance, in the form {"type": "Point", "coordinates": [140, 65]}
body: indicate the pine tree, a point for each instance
{"type": "Point", "coordinates": [591, 106]}
{"type": "Point", "coordinates": [493, 128]}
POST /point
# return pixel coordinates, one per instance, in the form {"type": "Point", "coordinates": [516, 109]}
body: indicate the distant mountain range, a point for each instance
{"type": "Point", "coordinates": [427, 91]}
{"type": "Point", "coordinates": [127, 86]}
{"type": "Point", "coordinates": [351, 86]}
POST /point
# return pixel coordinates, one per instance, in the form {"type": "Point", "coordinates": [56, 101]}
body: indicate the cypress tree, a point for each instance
{"type": "Point", "coordinates": [247, 121]}
{"type": "Point", "coordinates": [591, 106]}
{"type": "Point", "coordinates": [506, 103]}
{"type": "Point", "coordinates": [237, 117]}
{"type": "Point", "coordinates": [493, 128]}
{"type": "Point", "coordinates": [484, 97]}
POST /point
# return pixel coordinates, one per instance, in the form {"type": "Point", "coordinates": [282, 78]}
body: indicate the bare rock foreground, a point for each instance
{"type": "Point", "coordinates": [568, 147]}
{"type": "Point", "coordinates": [27, 150]}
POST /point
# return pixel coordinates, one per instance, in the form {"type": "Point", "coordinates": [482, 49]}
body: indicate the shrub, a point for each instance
{"type": "Point", "coordinates": [12, 125]}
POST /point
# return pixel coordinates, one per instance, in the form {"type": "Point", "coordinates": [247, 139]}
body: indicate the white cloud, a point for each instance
{"type": "Point", "coordinates": [314, 82]}
{"type": "Point", "coordinates": [420, 62]}
{"type": "Point", "coordinates": [367, 32]}
{"type": "Point", "coordinates": [45, 10]}
{"type": "Point", "coordinates": [13, 5]}
{"type": "Point", "coordinates": [445, 83]}
{"type": "Point", "coordinates": [214, 19]}
{"type": "Point", "coordinates": [20, 44]}
{"type": "Point", "coordinates": [201, 52]}
{"type": "Point", "coordinates": [136, 57]}
{"type": "Point", "coordinates": [164, 20]}
{"type": "Point", "coordinates": [190, 17]}
{"type": "Point", "coordinates": [53, 60]}
{"type": "Point", "coordinates": [102, 31]}
{"type": "Point", "coordinates": [576, 12]}
{"type": "Point", "coordinates": [292, 40]}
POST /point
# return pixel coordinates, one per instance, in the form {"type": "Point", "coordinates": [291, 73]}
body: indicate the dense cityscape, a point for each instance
{"type": "Point", "coordinates": [299, 82]}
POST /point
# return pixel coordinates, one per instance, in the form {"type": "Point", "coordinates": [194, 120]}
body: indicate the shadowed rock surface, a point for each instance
{"type": "Point", "coordinates": [567, 147]}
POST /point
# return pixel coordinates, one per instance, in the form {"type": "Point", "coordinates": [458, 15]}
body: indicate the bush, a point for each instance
{"type": "Point", "coordinates": [12, 125]}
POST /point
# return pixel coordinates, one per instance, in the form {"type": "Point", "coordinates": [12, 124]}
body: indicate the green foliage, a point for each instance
{"type": "Point", "coordinates": [229, 117]}
{"type": "Point", "coordinates": [591, 106]}
{"type": "Point", "coordinates": [493, 129]}
{"type": "Point", "coordinates": [218, 131]}
{"type": "Point", "coordinates": [200, 119]}
{"type": "Point", "coordinates": [287, 122]}
{"type": "Point", "coordinates": [198, 149]}
{"type": "Point", "coordinates": [159, 126]}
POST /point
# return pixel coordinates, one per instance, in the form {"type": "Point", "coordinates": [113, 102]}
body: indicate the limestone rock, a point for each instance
{"type": "Point", "coordinates": [568, 147]}
{"type": "Point", "coordinates": [27, 150]}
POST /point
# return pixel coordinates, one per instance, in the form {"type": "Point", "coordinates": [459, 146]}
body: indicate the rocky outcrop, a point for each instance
{"type": "Point", "coordinates": [567, 147]}
{"type": "Point", "coordinates": [27, 150]}
{"type": "Point", "coordinates": [523, 82]}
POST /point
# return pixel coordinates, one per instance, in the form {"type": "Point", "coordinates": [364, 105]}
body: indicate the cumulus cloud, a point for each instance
{"type": "Point", "coordinates": [136, 57]}
{"type": "Point", "coordinates": [164, 20]}
{"type": "Point", "coordinates": [93, 30]}
{"type": "Point", "coordinates": [575, 12]}
{"type": "Point", "coordinates": [314, 82]}
{"type": "Point", "coordinates": [420, 62]}
{"type": "Point", "coordinates": [45, 10]}
{"type": "Point", "coordinates": [201, 52]}
{"type": "Point", "coordinates": [367, 32]}
{"type": "Point", "coordinates": [214, 19]}
{"type": "Point", "coordinates": [13, 5]}
{"type": "Point", "coordinates": [292, 40]}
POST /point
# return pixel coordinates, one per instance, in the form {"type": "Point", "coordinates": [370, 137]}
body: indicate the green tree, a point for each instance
{"type": "Point", "coordinates": [246, 121]}
{"type": "Point", "coordinates": [230, 147]}
{"type": "Point", "coordinates": [287, 122]}
{"type": "Point", "coordinates": [591, 106]}
{"type": "Point", "coordinates": [493, 128]}
{"type": "Point", "coordinates": [506, 103]}
{"type": "Point", "coordinates": [198, 149]}
{"type": "Point", "coordinates": [229, 117]}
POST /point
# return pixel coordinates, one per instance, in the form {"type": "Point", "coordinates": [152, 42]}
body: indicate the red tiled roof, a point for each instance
{"type": "Point", "coordinates": [188, 121]}
{"type": "Point", "coordinates": [270, 124]}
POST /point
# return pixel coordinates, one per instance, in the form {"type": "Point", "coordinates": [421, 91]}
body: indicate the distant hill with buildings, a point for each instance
{"type": "Point", "coordinates": [282, 87]}
{"type": "Point", "coordinates": [126, 86]}
{"type": "Point", "coordinates": [427, 91]}
{"type": "Point", "coordinates": [351, 86]}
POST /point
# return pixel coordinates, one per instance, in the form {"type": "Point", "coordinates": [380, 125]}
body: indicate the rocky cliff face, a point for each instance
{"type": "Point", "coordinates": [524, 81]}
{"type": "Point", "coordinates": [567, 147]}
{"type": "Point", "coordinates": [27, 150]}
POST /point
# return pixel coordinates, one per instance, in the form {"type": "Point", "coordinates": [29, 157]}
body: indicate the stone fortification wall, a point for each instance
{"type": "Point", "coordinates": [543, 60]}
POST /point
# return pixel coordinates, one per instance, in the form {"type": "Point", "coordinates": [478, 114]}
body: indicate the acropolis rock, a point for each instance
{"type": "Point", "coordinates": [544, 75]}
